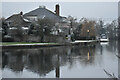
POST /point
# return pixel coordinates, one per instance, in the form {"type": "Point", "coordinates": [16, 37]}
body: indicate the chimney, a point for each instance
{"type": "Point", "coordinates": [21, 13]}
{"type": "Point", "coordinates": [57, 9]}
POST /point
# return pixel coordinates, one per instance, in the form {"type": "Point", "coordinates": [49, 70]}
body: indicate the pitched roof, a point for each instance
{"type": "Point", "coordinates": [43, 13]}
{"type": "Point", "coordinates": [18, 19]}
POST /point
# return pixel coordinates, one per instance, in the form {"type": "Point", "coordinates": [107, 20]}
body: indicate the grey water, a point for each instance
{"type": "Point", "coordinates": [88, 61]}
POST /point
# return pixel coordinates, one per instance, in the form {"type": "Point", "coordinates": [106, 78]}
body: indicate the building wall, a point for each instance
{"type": "Point", "coordinates": [55, 38]}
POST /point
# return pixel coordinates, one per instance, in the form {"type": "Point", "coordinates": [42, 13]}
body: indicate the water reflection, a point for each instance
{"type": "Point", "coordinates": [47, 61]}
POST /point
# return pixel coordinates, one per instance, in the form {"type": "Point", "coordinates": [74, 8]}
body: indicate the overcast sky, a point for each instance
{"type": "Point", "coordinates": [104, 10]}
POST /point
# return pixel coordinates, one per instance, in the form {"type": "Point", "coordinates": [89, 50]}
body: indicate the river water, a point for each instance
{"type": "Point", "coordinates": [87, 61]}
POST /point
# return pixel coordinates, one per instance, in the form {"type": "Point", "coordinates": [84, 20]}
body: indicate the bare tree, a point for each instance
{"type": "Point", "coordinates": [87, 29]}
{"type": "Point", "coordinates": [111, 29]}
{"type": "Point", "coordinates": [119, 28]}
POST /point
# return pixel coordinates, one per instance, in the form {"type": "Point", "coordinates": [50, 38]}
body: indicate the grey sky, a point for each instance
{"type": "Point", "coordinates": [105, 10]}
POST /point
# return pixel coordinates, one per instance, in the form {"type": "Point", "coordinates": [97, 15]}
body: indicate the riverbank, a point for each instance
{"type": "Point", "coordinates": [13, 45]}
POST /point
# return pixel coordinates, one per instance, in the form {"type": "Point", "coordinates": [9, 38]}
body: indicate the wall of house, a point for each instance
{"type": "Point", "coordinates": [33, 38]}
{"type": "Point", "coordinates": [54, 38]}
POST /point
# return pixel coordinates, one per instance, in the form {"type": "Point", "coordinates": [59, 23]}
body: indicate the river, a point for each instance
{"type": "Point", "coordinates": [87, 61]}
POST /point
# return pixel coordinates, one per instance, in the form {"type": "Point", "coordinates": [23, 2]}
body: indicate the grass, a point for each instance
{"type": "Point", "coordinates": [17, 43]}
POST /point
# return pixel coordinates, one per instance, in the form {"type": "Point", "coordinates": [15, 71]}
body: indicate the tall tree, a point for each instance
{"type": "Point", "coordinates": [88, 29]}
{"type": "Point", "coordinates": [4, 27]}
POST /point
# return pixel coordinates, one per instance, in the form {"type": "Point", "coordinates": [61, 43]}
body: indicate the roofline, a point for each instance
{"type": "Point", "coordinates": [44, 8]}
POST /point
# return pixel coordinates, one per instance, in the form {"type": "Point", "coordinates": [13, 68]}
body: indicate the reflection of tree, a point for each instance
{"type": "Point", "coordinates": [13, 61]}
{"type": "Point", "coordinates": [101, 49]}
{"type": "Point", "coordinates": [4, 60]}
{"type": "Point", "coordinates": [112, 46]}
{"type": "Point", "coordinates": [81, 53]}
{"type": "Point", "coordinates": [87, 55]}
{"type": "Point", "coordinates": [42, 61]}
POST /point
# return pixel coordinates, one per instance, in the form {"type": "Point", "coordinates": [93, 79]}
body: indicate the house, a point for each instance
{"type": "Point", "coordinates": [43, 13]}
{"type": "Point", "coordinates": [19, 25]}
